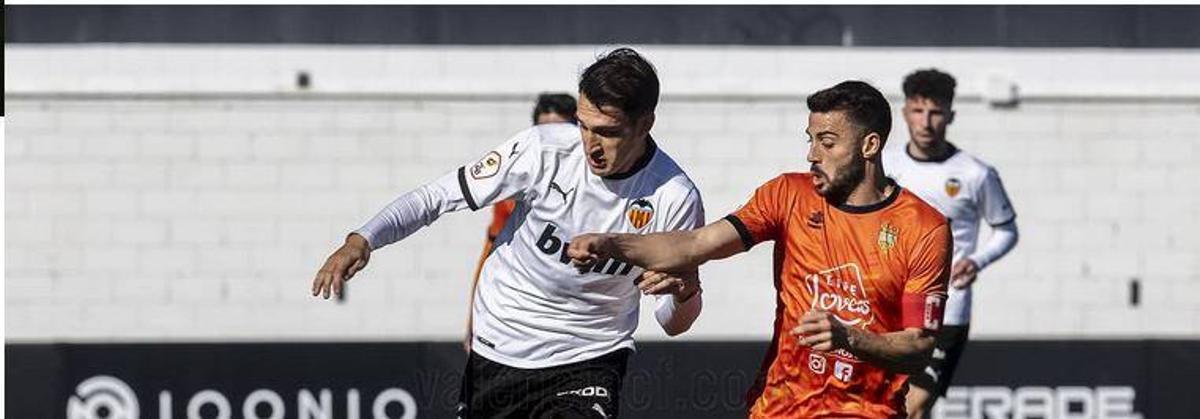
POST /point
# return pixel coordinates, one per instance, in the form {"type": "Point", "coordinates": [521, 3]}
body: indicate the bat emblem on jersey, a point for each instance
{"type": "Point", "coordinates": [640, 213]}
{"type": "Point", "coordinates": [952, 187]}
{"type": "Point", "coordinates": [486, 167]}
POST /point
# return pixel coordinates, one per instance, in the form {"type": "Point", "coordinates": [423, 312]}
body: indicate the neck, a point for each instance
{"type": "Point", "coordinates": [644, 151]}
{"type": "Point", "coordinates": [873, 189]}
{"type": "Point", "coordinates": [939, 150]}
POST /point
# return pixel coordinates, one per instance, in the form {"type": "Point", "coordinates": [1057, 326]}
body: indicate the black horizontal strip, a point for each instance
{"type": "Point", "coordinates": [1111, 26]}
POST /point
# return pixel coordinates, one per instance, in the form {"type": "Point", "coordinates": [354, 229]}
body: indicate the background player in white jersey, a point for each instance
{"type": "Point", "coordinates": [967, 191]}
{"type": "Point", "coordinates": [551, 340]}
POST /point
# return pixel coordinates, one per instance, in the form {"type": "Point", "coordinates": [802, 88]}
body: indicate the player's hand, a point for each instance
{"type": "Point", "coordinates": [821, 331]}
{"type": "Point", "coordinates": [963, 273]}
{"type": "Point", "coordinates": [586, 249]}
{"type": "Point", "coordinates": [681, 286]}
{"type": "Point", "coordinates": [341, 266]}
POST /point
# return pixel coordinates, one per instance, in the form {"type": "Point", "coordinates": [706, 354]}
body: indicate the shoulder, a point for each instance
{"type": "Point", "coordinates": [792, 182]}
{"type": "Point", "coordinates": [978, 169]}
{"type": "Point", "coordinates": [673, 181]}
{"type": "Point", "coordinates": [917, 213]}
{"type": "Point", "coordinates": [785, 189]}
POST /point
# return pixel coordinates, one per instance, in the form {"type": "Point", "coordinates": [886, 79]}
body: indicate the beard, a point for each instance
{"type": "Point", "coordinates": [846, 179]}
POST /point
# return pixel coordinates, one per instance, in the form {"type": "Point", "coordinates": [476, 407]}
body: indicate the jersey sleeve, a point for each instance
{"type": "Point", "coordinates": [761, 218]}
{"type": "Point", "coordinates": [689, 215]}
{"type": "Point", "coordinates": [672, 316]}
{"type": "Point", "coordinates": [506, 171]}
{"type": "Point", "coordinates": [929, 274]}
{"type": "Point", "coordinates": [493, 178]}
{"type": "Point", "coordinates": [993, 200]}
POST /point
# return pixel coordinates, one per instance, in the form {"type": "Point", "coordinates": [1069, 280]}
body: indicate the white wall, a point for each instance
{"type": "Point", "coordinates": [189, 193]}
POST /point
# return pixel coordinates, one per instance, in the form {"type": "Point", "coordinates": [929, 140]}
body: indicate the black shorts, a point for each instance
{"type": "Point", "coordinates": [586, 389]}
{"type": "Point", "coordinates": [947, 349]}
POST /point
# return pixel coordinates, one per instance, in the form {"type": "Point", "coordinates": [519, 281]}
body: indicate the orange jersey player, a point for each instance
{"type": "Point", "coordinates": [861, 267]}
{"type": "Point", "coordinates": [873, 267]}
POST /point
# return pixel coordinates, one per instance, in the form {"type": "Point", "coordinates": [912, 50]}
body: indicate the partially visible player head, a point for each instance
{"type": "Point", "coordinates": [848, 125]}
{"type": "Point", "coordinates": [554, 108]}
{"type": "Point", "coordinates": [928, 107]}
{"type": "Point", "coordinates": [617, 97]}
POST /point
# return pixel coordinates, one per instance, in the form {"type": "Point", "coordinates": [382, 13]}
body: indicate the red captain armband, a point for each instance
{"type": "Point", "coordinates": [922, 311]}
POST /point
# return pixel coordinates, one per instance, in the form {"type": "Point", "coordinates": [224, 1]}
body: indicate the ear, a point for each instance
{"type": "Point", "coordinates": [950, 117]}
{"type": "Point", "coordinates": [872, 145]}
{"type": "Point", "coordinates": [646, 123]}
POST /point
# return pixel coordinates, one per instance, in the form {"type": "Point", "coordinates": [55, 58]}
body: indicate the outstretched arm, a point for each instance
{"type": "Point", "coordinates": [493, 178]}
{"type": "Point", "coordinates": [403, 217]}
{"type": "Point", "coordinates": [673, 251]}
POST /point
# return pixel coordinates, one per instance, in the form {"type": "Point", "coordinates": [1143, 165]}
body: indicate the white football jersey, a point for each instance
{"type": "Point", "coordinates": [964, 189]}
{"type": "Point", "coordinates": [532, 308]}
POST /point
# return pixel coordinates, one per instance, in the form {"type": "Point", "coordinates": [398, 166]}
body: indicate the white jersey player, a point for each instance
{"type": "Point", "coordinates": [551, 338]}
{"type": "Point", "coordinates": [968, 192]}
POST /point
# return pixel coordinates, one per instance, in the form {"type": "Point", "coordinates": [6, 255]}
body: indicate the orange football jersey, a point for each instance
{"type": "Point", "coordinates": [882, 268]}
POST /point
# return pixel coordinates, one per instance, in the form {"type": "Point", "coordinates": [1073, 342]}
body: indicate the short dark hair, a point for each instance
{"type": "Point", "coordinates": [623, 79]}
{"type": "Point", "coordinates": [930, 83]}
{"type": "Point", "coordinates": [864, 105]}
{"type": "Point", "coordinates": [556, 103]}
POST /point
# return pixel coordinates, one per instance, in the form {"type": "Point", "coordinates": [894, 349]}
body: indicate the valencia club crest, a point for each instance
{"type": "Point", "coordinates": [640, 212]}
{"type": "Point", "coordinates": [952, 187]}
